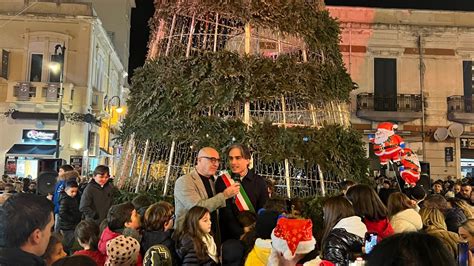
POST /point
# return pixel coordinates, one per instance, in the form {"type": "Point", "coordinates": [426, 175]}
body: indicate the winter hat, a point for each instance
{"type": "Point", "coordinates": [266, 221]}
{"type": "Point", "coordinates": [157, 255]}
{"type": "Point", "coordinates": [293, 236]}
{"type": "Point", "coordinates": [122, 250]}
{"type": "Point", "coordinates": [416, 193]}
{"type": "Point", "coordinates": [387, 126]}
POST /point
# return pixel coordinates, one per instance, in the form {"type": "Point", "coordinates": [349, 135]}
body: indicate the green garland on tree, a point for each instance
{"type": "Point", "coordinates": [185, 99]}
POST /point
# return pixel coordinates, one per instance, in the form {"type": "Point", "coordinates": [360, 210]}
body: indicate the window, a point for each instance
{"type": "Point", "coordinates": [468, 75]}
{"type": "Point", "coordinates": [385, 84]}
{"type": "Point", "coordinates": [36, 67]}
{"type": "Point", "coordinates": [55, 76]}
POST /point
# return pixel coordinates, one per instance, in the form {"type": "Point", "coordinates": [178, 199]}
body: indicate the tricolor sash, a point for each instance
{"type": "Point", "coordinates": [242, 199]}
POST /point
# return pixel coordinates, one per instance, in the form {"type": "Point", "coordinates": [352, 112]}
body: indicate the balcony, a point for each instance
{"type": "Point", "coordinates": [460, 109]}
{"type": "Point", "coordinates": [403, 108]}
{"type": "Point", "coordinates": [33, 93]}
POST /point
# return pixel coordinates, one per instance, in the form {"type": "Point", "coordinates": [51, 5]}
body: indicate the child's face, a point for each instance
{"type": "Point", "coordinates": [101, 179]}
{"type": "Point", "coordinates": [58, 253]}
{"type": "Point", "coordinates": [72, 191]}
{"type": "Point", "coordinates": [135, 220]}
{"type": "Point", "coordinates": [205, 223]}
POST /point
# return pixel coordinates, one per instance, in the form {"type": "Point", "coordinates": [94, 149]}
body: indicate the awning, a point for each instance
{"type": "Point", "coordinates": [30, 149]}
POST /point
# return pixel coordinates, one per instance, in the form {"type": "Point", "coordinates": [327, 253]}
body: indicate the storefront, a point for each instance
{"type": "Point", "coordinates": [35, 154]}
{"type": "Point", "coordinates": [467, 157]}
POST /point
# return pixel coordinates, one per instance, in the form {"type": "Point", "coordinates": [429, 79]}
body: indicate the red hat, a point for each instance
{"type": "Point", "coordinates": [293, 236]}
{"type": "Point", "coordinates": [387, 126]}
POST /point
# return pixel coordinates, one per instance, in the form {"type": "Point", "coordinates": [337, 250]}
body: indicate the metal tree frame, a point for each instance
{"type": "Point", "coordinates": [146, 165]}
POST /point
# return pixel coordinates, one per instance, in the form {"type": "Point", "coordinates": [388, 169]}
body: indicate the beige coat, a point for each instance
{"type": "Point", "coordinates": [406, 221]}
{"type": "Point", "coordinates": [189, 191]}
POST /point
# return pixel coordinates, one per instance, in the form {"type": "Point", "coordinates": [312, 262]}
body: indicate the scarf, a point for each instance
{"type": "Point", "coordinates": [211, 247]}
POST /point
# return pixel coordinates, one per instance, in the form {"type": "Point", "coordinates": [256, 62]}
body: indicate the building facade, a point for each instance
{"type": "Point", "coordinates": [34, 34]}
{"type": "Point", "coordinates": [428, 93]}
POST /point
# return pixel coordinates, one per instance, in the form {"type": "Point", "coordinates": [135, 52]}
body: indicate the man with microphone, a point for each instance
{"type": "Point", "coordinates": [252, 196]}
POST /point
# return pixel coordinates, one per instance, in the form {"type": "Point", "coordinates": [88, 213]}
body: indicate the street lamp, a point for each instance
{"type": "Point", "coordinates": [119, 110]}
{"type": "Point", "coordinates": [55, 66]}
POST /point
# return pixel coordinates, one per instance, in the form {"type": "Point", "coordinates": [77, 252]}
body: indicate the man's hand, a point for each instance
{"type": "Point", "coordinates": [232, 190]}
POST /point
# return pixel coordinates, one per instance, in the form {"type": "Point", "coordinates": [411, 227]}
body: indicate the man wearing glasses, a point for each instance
{"type": "Point", "coordinates": [252, 196]}
{"type": "Point", "coordinates": [197, 188]}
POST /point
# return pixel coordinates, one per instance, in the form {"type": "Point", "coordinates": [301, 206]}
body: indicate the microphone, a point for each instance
{"type": "Point", "coordinates": [236, 178]}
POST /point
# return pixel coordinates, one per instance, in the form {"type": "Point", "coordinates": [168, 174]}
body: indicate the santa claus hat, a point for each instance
{"type": "Point", "coordinates": [293, 236]}
{"type": "Point", "coordinates": [387, 126]}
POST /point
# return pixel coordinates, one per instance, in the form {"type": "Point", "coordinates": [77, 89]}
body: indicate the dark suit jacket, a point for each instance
{"type": "Point", "coordinates": [256, 188]}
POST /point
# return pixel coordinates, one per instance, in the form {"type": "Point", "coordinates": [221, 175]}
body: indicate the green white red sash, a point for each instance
{"type": "Point", "coordinates": [242, 199]}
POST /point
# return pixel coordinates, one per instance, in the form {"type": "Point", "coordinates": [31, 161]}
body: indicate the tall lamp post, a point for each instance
{"type": "Point", "coordinates": [119, 110]}
{"type": "Point", "coordinates": [58, 65]}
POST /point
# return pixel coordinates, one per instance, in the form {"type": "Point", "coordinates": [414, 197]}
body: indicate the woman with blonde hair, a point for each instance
{"type": "Point", "coordinates": [402, 215]}
{"type": "Point", "coordinates": [434, 224]}
{"type": "Point", "coordinates": [466, 231]}
{"type": "Point", "coordinates": [462, 205]}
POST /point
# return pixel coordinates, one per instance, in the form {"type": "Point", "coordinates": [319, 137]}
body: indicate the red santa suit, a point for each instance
{"type": "Point", "coordinates": [387, 144]}
{"type": "Point", "coordinates": [410, 170]}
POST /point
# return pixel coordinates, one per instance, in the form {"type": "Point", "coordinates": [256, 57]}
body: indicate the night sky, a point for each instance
{"type": "Point", "coordinates": [144, 11]}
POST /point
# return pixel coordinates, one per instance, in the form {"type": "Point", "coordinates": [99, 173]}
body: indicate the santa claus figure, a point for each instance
{"type": "Point", "coordinates": [387, 144]}
{"type": "Point", "coordinates": [410, 169]}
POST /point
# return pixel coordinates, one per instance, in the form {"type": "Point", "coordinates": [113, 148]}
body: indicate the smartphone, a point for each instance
{"type": "Point", "coordinates": [463, 254]}
{"type": "Point", "coordinates": [370, 241]}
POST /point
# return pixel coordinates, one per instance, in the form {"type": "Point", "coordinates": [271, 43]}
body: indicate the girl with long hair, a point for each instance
{"type": "Point", "coordinates": [371, 209]}
{"type": "Point", "coordinates": [195, 244]}
{"type": "Point", "coordinates": [402, 214]}
{"type": "Point", "coordinates": [343, 233]}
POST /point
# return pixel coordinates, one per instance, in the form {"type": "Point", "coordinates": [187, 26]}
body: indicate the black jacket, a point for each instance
{"type": "Point", "coordinates": [256, 188]}
{"type": "Point", "coordinates": [96, 201]}
{"type": "Point", "coordinates": [340, 244]}
{"type": "Point", "coordinates": [151, 238]}
{"type": "Point", "coordinates": [69, 214]}
{"type": "Point", "coordinates": [187, 254]}
{"type": "Point", "coordinates": [18, 257]}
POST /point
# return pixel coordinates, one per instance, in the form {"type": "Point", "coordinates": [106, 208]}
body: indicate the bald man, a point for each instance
{"type": "Point", "coordinates": [197, 188]}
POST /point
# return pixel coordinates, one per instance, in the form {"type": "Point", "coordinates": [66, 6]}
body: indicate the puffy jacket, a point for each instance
{"type": "Point", "coordinates": [383, 228]}
{"type": "Point", "coordinates": [58, 188]}
{"type": "Point", "coordinates": [454, 217]}
{"type": "Point", "coordinates": [406, 221]}
{"type": "Point", "coordinates": [69, 214]}
{"type": "Point", "coordinates": [345, 239]}
{"type": "Point", "coordinates": [187, 254]}
{"type": "Point", "coordinates": [449, 239]}
{"type": "Point", "coordinates": [151, 238]}
{"type": "Point", "coordinates": [340, 244]}
{"type": "Point", "coordinates": [260, 253]}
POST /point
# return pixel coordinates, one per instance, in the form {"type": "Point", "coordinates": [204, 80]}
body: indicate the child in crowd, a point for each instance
{"type": "Point", "coordinates": [69, 214]}
{"type": "Point", "coordinates": [58, 188]}
{"type": "Point", "coordinates": [98, 196]}
{"type": "Point", "coordinates": [195, 244]}
{"type": "Point", "coordinates": [123, 250]}
{"type": "Point", "coordinates": [266, 221]}
{"type": "Point", "coordinates": [292, 239]}
{"type": "Point", "coordinates": [55, 250]}
{"type": "Point", "coordinates": [247, 220]}
{"type": "Point", "coordinates": [120, 216]}
{"type": "Point", "coordinates": [87, 234]}
{"type": "Point", "coordinates": [158, 223]}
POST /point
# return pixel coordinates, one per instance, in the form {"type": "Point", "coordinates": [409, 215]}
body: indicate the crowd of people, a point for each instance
{"type": "Point", "coordinates": [231, 218]}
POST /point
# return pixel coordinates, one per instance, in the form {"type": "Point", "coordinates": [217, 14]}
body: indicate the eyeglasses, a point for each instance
{"type": "Point", "coordinates": [212, 159]}
{"type": "Point", "coordinates": [173, 217]}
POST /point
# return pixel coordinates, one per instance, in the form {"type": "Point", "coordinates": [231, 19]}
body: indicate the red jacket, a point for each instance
{"type": "Point", "coordinates": [98, 257]}
{"type": "Point", "coordinates": [383, 228]}
{"type": "Point", "coordinates": [107, 235]}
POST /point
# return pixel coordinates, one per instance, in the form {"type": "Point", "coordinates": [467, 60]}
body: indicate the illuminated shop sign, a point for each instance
{"type": "Point", "coordinates": [33, 135]}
